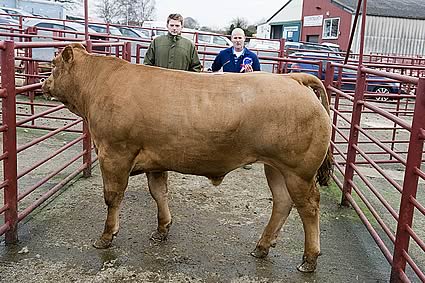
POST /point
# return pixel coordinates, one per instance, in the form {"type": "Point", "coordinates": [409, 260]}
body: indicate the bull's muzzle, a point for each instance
{"type": "Point", "coordinates": [45, 87]}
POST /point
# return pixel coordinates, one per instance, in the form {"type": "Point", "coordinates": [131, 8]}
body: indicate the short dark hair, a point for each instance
{"type": "Point", "coordinates": [176, 17]}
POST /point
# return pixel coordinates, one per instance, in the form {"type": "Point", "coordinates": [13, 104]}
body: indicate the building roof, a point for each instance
{"type": "Point", "coordinates": [412, 9]}
{"type": "Point", "coordinates": [278, 11]}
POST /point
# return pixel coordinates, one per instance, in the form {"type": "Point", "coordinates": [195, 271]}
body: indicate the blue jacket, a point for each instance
{"type": "Point", "coordinates": [226, 59]}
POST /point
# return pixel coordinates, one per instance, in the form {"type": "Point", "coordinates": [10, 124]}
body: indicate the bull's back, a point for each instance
{"type": "Point", "coordinates": [256, 114]}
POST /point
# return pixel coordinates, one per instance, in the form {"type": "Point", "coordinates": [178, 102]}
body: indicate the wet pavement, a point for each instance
{"type": "Point", "coordinates": [214, 230]}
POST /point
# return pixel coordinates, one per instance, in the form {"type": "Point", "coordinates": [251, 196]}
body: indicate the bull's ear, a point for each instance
{"type": "Point", "coordinates": [77, 45]}
{"type": "Point", "coordinates": [68, 54]}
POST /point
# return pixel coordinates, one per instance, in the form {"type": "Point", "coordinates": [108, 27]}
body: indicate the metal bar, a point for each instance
{"type": "Point", "coordinates": [48, 128]}
{"type": "Point", "coordinates": [415, 268]}
{"type": "Point", "coordinates": [9, 141]}
{"type": "Point", "coordinates": [381, 145]}
{"type": "Point", "coordinates": [30, 87]}
{"type": "Point", "coordinates": [87, 144]}
{"type": "Point", "coordinates": [4, 228]}
{"type": "Point", "coordinates": [375, 214]}
{"type": "Point", "coordinates": [4, 208]}
{"type": "Point", "coordinates": [33, 117]}
{"type": "Point", "coordinates": [56, 188]}
{"type": "Point", "coordinates": [387, 115]}
{"type": "Point", "coordinates": [410, 185]}
{"type": "Point", "coordinates": [354, 132]}
{"type": "Point", "coordinates": [137, 53]}
{"type": "Point", "coordinates": [420, 173]}
{"type": "Point", "coordinates": [415, 237]}
{"type": "Point", "coordinates": [48, 177]}
{"type": "Point", "coordinates": [3, 93]}
{"type": "Point", "coordinates": [48, 158]}
{"type": "Point", "coordinates": [341, 134]}
{"type": "Point", "coordinates": [377, 194]}
{"type": "Point", "coordinates": [417, 205]}
{"type": "Point", "coordinates": [48, 135]}
{"type": "Point", "coordinates": [373, 233]}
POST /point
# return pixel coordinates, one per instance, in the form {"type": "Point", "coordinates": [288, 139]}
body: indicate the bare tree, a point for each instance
{"type": "Point", "coordinates": [190, 22]}
{"type": "Point", "coordinates": [240, 23]}
{"type": "Point", "coordinates": [136, 11]}
{"type": "Point", "coordinates": [69, 4]}
{"type": "Point", "coordinates": [108, 10]}
{"type": "Point", "coordinates": [145, 10]}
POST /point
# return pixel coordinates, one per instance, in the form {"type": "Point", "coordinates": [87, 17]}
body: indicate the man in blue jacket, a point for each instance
{"type": "Point", "coordinates": [236, 59]}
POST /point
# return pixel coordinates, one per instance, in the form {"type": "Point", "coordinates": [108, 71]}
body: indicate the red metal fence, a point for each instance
{"type": "Point", "coordinates": [378, 156]}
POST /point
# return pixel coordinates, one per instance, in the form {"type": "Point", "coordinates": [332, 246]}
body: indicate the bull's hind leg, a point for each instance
{"type": "Point", "coordinates": [158, 188]}
{"type": "Point", "coordinates": [306, 197]}
{"type": "Point", "coordinates": [282, 204]}
{"type": "Point", "coordinates": [115, 173]}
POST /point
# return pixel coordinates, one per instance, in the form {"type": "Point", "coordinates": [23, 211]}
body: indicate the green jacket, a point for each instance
{"type": "Point", "coordinates": [173, 52]}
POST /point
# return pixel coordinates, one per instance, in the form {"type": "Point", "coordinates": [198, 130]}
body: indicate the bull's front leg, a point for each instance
{"type": "Point", "coordinates": [159, 190]}
{"type": "Point", "coordinates": [115, 173]}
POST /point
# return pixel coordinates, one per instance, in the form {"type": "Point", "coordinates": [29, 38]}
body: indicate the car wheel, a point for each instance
{"type": "Point", "coordinates": [382, 90]}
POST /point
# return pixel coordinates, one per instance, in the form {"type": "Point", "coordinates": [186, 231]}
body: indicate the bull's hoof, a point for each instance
{"type": "Point", "coordinates": [102, 244]}
{"type": "Point", "coordinates": [159, 236]}
{"type": "Point", "coordinates": [260, 252]}
{"type": "Point", "coordinates": [307, 266]}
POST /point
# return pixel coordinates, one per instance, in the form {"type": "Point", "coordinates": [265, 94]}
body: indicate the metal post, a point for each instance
{"type": "Point", "coordinates": [281, 54]}
{"type": "Point", "coordinates": [86, 19]}
{"type": "Point", "coordinates": [138, 53]}
{"type": "Point", "coordinates": [355, 119]}
{"type": "Point", "coordinates": [9, 142]}
{"type": "Point", "coordinates": [87, 144]}
{"type": "Point", "coordinates": [127, 48]}
{"type": "Point", "coordinates": [329, 78]}
{"type": "Point", "coordinates": [410, 184]}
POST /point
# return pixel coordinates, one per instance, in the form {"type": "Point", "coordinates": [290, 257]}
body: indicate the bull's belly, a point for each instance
{"type": "Point", "coordinates": [209, 165]}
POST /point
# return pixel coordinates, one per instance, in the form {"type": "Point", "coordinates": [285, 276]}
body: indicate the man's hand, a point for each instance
{"type": "Point", "coordinates": [247, 68]}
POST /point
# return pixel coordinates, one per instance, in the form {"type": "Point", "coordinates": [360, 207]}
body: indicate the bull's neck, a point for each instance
{"type": "Point", "coordinates": [85, 75]}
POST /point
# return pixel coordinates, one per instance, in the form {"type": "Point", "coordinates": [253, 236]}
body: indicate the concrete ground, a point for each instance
{"type": "Point", "coordinates": [214, 230]}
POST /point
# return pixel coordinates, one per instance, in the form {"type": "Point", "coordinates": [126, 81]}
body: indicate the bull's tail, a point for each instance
{"type": "Point", "coordinates": [324, 173]}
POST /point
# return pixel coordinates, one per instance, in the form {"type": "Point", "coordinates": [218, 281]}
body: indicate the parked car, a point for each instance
{"type": "Point", "coordinates": [6, 19]}
{"type": "Point", "coordinates": [58, 25]}
{"type": "Point", "coordinates": [266, 44]}
{"type": "Point", "coordinates": [292, 46]}
{"type": "Point", "coordinates": [99, 28]}
{"type": "Point", "coordinates": [8, 22]}
{"type": "Point", "coordinates": [375, 84]}
{"type": "Point", "coordinates": [64, 29]}
{"type": "Point", "coordinates": [17, 13]}
{"type": "Point", "coordinates": [135, 32]}
{"type": "Point", "coordinates": [213, 39]}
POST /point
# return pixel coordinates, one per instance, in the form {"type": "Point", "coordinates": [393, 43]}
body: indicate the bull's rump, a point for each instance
{"type": "Point", "coordinates": [186, 121]}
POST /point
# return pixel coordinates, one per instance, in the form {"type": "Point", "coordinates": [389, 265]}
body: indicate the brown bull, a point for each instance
{"type": "Point", "coordinates": [151, 120]}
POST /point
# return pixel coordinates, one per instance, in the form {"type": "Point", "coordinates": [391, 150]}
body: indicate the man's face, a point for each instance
{"type": "Point", "coordinates": [238, 41]}
{"type": "Point", "coordinates": [174, 27]}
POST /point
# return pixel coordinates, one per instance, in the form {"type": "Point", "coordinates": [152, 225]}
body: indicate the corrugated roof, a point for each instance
{"type": "Point", "coordinates": [412, 9]}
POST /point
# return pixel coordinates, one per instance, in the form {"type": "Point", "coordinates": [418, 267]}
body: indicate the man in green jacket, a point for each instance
{"type": "Point", "coordinates": [172, 51]}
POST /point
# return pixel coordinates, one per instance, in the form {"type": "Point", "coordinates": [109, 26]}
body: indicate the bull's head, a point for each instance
{"type": "Point", "coordinates": [60, 83]}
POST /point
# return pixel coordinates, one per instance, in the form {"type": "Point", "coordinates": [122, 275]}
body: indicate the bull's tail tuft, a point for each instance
{"type": "Point", "coordinates": [324, 173]}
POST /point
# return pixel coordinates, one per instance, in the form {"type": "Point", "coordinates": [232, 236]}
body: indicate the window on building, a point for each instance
{"type": "Point", "coordinates": [313, 38]}
{"type": "Point", "coordinates": [331, 28]}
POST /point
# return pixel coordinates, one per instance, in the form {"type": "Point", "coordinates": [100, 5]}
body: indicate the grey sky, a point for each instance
{"type": "Point", "coordinates": [219, 13]}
